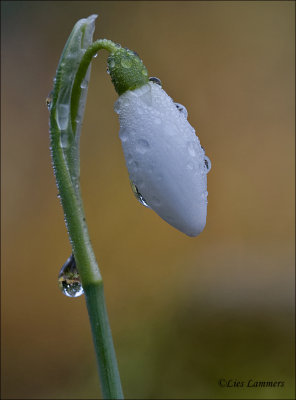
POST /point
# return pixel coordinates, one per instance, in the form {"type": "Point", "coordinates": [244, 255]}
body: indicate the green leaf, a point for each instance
{"type": "Point", "coordinates": [62, 122]}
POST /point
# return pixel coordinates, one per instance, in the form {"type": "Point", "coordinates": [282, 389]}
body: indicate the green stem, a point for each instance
{"type": "Point", "coordinates": [69, 191]}
{"type": "Point", "coordinates": [101, 44]}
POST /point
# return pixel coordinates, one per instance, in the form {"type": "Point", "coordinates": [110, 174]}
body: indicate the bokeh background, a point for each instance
{"type": "Point", "coordinates": [185, 312]}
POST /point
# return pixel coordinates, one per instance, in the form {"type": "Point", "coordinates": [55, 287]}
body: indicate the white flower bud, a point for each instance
{"type": "Point", "coordinates": [164, 157]}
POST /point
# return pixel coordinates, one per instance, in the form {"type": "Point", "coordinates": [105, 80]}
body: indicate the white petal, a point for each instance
{"type": "Point", "coordinates": [164, 157]}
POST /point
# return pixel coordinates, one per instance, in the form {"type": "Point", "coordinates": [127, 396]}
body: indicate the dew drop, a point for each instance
{"type": "Point", "coordinates": [126, 62]}
{"type": "Point", "coordinates": [112, 64]}
{"type": "Point", "coordinates": [134, 53]}
{"type": "Point", "coordinates": [49, 100]}
{"type": "Point", "coordinates": [69, 280]}
{"type": "Point", "coordinates": [96, 55]}
{"type": "Point", "coordinates": [182, 109]}
{"type": "Point", "coordinates": [138, 195]}
{"type": "Point", "coordinates": [142, 146]}
{"type": "Point", "coordinates": [155, 80]}
{"type": "Point", "coordinates": [208, 164]}
{"type": "Point", "coordinates": [84, 84]}
{"type": "Point", "coordinates": [108, 71]}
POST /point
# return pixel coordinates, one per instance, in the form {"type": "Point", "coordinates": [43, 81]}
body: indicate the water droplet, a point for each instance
{"type": "Point", "coordinates": [155, 80]}
{"type": "Point", "coordinates": [142, 146]}
{"type": "Point", "coordinates": [118, 45]}
{"type": "Point", "coordinates": [182, 109]}
{"type": "Point", "coordinates": [108, 71]}
{"type": "Point", "coordinates": [112, 64]}
{"type": "Point", "coordinates": [135, 53]}
{"type": "Point", "coordinates": [49, 100]}
{"type": "Point", "coordinates": [126, 62]}
{"type": "Point", "coordinates": [138, 195]}
{"type": "Point", "coordinates": [69, 279]}
{"type": "Point", "coordinates": [84, 84]}
{"type": "Point", "coordinates": [208, 164]}
{"type": "Point", "coordinates": [96, 55]}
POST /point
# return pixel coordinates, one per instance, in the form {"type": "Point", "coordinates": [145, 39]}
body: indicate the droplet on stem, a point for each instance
{"type": "Point", "coordinates": [69, 280]}
{"type": "Point", "coordinates": [49, 100]}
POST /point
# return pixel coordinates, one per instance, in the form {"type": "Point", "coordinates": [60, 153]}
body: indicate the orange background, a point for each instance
{"type": "Point", "coordinates": [185, 312]}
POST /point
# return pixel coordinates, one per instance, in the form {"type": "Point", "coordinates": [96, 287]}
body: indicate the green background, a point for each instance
{"type": "Point", "coordinates": [185, 312]}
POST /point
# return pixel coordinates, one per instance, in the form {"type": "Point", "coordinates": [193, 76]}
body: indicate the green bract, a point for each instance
{"type": "Point", "coordinates": [127, 70]}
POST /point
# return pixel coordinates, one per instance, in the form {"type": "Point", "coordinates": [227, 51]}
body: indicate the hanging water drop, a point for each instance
{"type": "Point", "coordinates": [49, 100]}
{"type": "Point", "coordinates": [182, 109]}
{"type": "Point", "coordinates": [208, 164]}
{"type": "Point", "coordinates": [69, 280]}
{"type": "Point", "coordinates": [155, 80]}
{"type": "Point", "coordinates": [138, 195]}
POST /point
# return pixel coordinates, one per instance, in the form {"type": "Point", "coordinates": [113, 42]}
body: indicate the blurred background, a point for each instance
{"type": "Point", "coordinates": [185, 312]}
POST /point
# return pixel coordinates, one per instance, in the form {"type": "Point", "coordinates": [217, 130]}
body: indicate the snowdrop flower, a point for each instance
{"type": "Point", "coordinates": [166, 163]}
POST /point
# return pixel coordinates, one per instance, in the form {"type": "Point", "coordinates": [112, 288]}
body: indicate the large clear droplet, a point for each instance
{"type": "Point", "coordinates": [182, 109]}
{"type": "Point", "coordinates": [138, 195]}
{"type": "Point", "coordinates": [49, 100]}
{"type": "Point", "coordinates": [69, 279]}
{"type": "Point", "coordinates": [208, 164]}
{"type": "Point", "coordinates": [155, 80]}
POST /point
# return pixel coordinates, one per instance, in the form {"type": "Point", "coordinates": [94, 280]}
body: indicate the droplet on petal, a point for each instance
{"type": "Point", "coordinates": [153, 79]}
{"type": "Point", "coordinates": [138, 195]}
{"type": "Point", "coordinates": [182, 109]}
{"type": "Point", "coordinates": [208, 164]}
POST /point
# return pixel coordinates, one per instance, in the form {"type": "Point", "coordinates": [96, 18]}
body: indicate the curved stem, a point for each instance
{"type": "Point", "coordinates": [101, 44]}
{"type": "Point", "coordinates": [69, 191]}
